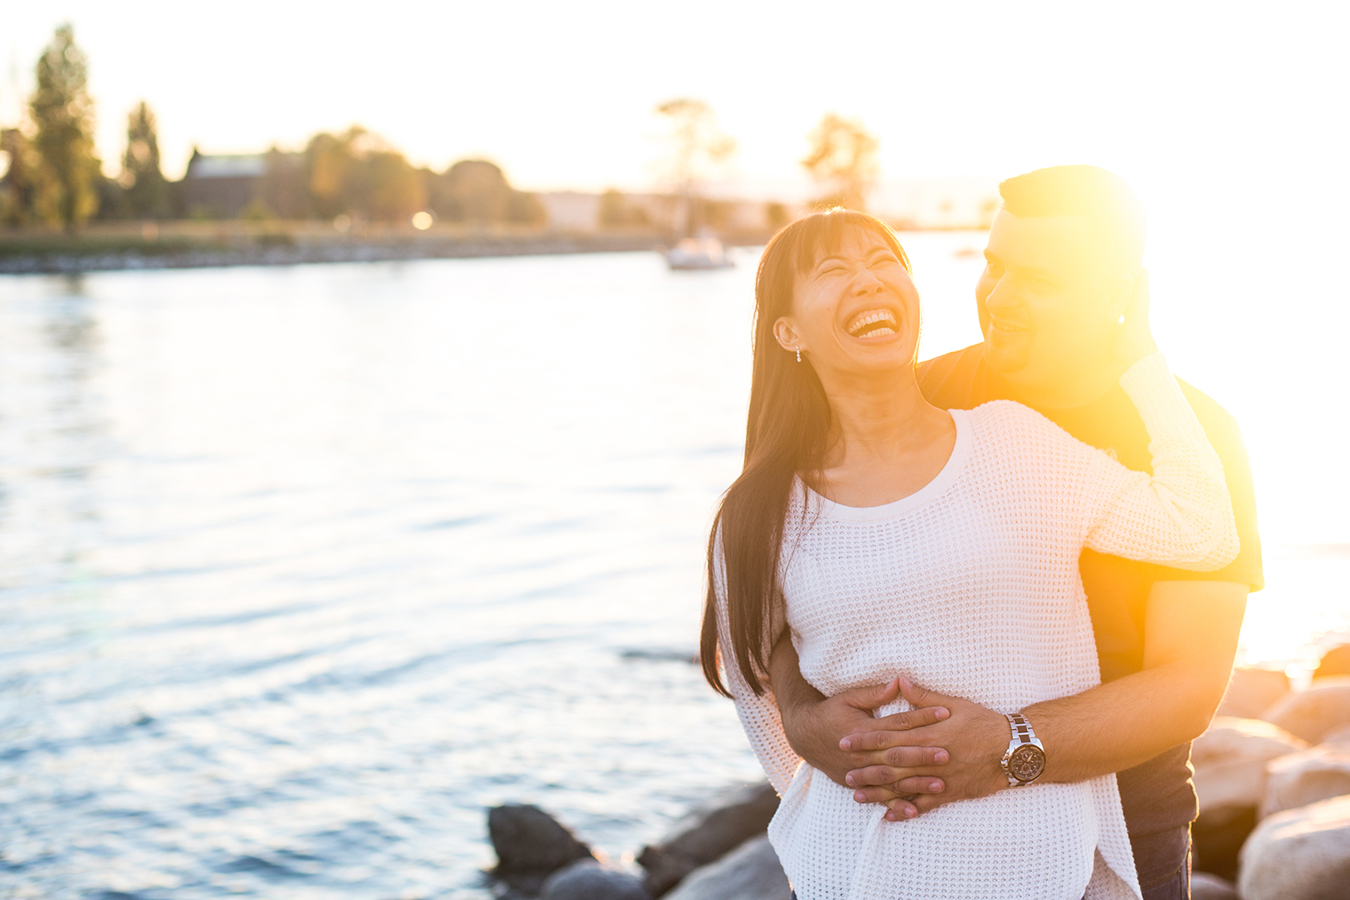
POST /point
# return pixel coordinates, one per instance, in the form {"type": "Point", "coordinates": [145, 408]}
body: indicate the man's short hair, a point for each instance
{"type": "Point", "coordinates": [1103, 197]}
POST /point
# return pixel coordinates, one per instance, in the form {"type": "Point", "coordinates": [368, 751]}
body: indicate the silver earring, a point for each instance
{"type": "Point", "coordinates": [799, 354]}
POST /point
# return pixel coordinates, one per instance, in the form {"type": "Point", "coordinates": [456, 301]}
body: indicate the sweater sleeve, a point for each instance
{"type": "Point", "coordinates": [1182, 515]}
{"type": "Point", "coordinates": [758, 713]}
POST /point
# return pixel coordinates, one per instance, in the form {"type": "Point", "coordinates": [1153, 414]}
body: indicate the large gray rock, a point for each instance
{"type": "Point", "coordinates": [530, 845]}
{"type": "Point", "coordinates": [1211, 887]}
{"type": "Point", "coordinates": [1252, 692]}
{"type": "Point", "coordinates": [1314, 713]}
{"type": "Point", "coordinates": [1338, 738]}
{"type": "Point", "coordinates": [751, 872]}
{"type": "Point", "coordinates": [707, 833]}
{"type": "Point", "coordinates": [1230, 760]}
{"type": "Point", "coordinates": [1299, 779]}
{"type": "Point", "coordinates": [1299, 854]}
{"type": "Point", "coordinates": [1230, 775]}
{"type": "Point", "coordinates": [585, 879]}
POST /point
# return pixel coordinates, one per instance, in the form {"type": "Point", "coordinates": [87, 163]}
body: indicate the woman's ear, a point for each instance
{"type": "Point", "coordinates": [787, 335]}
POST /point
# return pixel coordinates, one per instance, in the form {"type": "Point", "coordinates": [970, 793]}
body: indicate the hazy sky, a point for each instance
{"type": "Point", "coordinates": [1193, 102]}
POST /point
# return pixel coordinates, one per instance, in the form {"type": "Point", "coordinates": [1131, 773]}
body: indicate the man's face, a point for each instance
{"type": "Point", "coordinates": [1045, 300]}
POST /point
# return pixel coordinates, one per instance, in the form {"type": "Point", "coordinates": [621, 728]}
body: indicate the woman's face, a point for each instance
{"type": "Point", "coordinates": [855, 312]}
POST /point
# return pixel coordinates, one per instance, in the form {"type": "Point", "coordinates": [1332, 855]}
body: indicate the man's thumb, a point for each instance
{"type": "Point", "coordinates": [918, 697]}
{"type": "Point", "coordinates": [877, 695]}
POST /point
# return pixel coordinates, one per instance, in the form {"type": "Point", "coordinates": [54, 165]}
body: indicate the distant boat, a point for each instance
{"type": "Point", "coordinates": [704, 252]}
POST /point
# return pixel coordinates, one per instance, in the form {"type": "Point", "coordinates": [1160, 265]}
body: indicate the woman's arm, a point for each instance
{"type": "Point", "coordinates": [759, 713]}
{"type": "Point", "coordinates": [1182, 515]}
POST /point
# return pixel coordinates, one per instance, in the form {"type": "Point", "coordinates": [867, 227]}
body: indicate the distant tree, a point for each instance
{"type": "Point", "coordinates": [20, 183]}
{"type": "Point", "coordinates": [331, 163]}
{"type": "Point", "coordinates": [390, 189]}
{"type": "Point", "coordinates": [476, 191]}
{"type": "Point", "coordinates": [843, 158]}
{"type": "Point", "coordinates": [63, 114]}
{"type": "Point", "coordinates": [617, 212]}
{"type": "Point", "coordinates": [146, 191]}
{"type": "Point", "coordinates": [357, 173]}
{"type": "Point", "coordinates": [696, 142]}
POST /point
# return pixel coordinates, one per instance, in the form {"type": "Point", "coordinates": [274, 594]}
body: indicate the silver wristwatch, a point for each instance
{"type": "Point", "coordinates": [1024, 760]}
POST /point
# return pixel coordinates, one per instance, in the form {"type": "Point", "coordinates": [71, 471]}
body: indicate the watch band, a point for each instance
{"type": "Point", "coordinates": [1021, 728]}
{"type": "Point", "coordinates": [1024, 760]}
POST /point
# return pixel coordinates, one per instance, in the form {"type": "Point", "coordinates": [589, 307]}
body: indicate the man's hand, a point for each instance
{"type": "Point", "coordinates": [975, 738]}
{"type": "Point", "coordinates": [814, 725]}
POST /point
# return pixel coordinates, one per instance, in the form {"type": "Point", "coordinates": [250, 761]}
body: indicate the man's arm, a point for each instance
{"type": "Point", "coordinates": [814, 724]}
{"type": "Point", "coordinates": [1190, 639]}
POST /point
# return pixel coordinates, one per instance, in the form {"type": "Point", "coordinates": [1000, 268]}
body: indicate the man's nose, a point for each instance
{"type": "Point", "coordinates": [1001, 295]}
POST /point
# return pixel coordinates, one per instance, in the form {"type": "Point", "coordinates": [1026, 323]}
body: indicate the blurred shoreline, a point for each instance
{"type": "Point", "coordinates": [176, 245]}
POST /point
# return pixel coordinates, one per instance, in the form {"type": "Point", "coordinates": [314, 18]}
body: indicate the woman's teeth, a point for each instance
{"type": "Point", "coordinates": [875, 322]}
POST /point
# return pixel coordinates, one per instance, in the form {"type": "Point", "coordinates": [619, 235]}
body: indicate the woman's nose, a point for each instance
{"type": "Point", "coordinates": [865, 282]}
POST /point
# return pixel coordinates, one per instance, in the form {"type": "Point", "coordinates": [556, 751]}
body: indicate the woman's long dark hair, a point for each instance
{"type": "Point", "coordinates": [786, 435]}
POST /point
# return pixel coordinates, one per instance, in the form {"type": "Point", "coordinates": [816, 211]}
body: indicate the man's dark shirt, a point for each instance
{"type": "Point", "coordinates": [1156, 795]}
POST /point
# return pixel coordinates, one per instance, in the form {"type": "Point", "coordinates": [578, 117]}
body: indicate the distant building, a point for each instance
{"type": "Point", "coordinates": [221, 187]}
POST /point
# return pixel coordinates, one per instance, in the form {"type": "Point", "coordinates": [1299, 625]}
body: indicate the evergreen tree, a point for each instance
{"type": "Point", "coordinates": [144, 182]}
{"type": "Point", "coordinates": [63, 114]}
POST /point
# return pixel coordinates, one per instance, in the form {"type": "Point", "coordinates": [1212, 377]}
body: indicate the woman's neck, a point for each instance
{"type": "Point", "coordinates": [886, 440]}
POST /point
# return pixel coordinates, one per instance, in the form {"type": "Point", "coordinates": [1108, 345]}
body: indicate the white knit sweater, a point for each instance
{"type": "Point", "coordinates": [970, 587]}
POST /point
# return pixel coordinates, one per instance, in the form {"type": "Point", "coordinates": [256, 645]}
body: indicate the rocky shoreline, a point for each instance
{"type": "Point", "coordinates": [1272, 772]}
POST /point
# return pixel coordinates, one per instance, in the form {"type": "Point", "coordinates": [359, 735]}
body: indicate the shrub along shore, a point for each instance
{"type": "Point", "coordinates": [199, 244]}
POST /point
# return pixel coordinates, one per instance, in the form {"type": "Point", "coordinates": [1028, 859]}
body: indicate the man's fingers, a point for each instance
{"type": "Point", "coordinates": [906, 789]}
{"type": "Point", "coordinates": [890, 727]}
{"type": "Point", "coordinates": [913, 757]}
{"type": "Point", "coordinates": [872, 696]}
{"type": "Point", "coordinates": [920, 697]}
{"type": "Point", "coordinates": [899, 781]}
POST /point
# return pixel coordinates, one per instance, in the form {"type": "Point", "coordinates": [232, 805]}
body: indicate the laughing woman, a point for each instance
{"type": "Point", "coordinates": [894, 538]}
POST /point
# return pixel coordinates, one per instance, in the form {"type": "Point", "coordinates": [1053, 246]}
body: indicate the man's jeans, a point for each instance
{"type": "Point", "coordinates": [1164, 863]}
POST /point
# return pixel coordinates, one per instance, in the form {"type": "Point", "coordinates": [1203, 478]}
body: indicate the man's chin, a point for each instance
{"type": "Point", "coordinates": [1007, 353]}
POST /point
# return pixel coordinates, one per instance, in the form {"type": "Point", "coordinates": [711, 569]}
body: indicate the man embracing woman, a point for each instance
{"type": "Point", "coordinates": [882, 534]}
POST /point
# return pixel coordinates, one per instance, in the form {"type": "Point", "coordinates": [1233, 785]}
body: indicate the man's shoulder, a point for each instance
{"type": "Point", "coordinates": [956, 380]}
{"type": "Point", "coordinates": [1215, 419]}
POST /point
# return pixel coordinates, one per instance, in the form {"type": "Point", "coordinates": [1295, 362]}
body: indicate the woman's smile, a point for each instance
{"type": "Point", "coordinates": [871, 324]}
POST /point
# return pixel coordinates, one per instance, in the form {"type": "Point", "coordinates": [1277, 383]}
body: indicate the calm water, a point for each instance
{"type": "Point", "coordinates": [302, 568]}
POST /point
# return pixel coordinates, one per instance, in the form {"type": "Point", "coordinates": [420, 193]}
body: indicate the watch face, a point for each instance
{"type": "Point", "coordinates": [1027, 762]}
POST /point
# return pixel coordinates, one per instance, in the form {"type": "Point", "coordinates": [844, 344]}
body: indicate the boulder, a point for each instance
{"type": "Point", "coordinates": [1299, 779]}
{"type": "Point", "coordinates": [1211, 887]}
{"type": "Point", "coordinates": [1217, 838]}
{"type": "Point", "coordinates": [707, 833]}
{"type": "Point", "coordinates": [530, 845]}
{"type": "Point", "coordinates": [1335, 661]}
{"type": "Point", "coordinates": [750, 872]}
{"type": "Point", "coordinates": [1314, 713]}
{"type": "Point", "coordinates": [1338, 738]}
{"type": "Point", "coordinates": [1230, 760]}
{"type": "Point", "coordinates": [1299, 854]}
{"type": "Point", "coordinates": [1230, 771]}
{"type": "Point", "coordinates": [585, 879]}
{"type": "Point", "coordinates": [1252, 692]}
